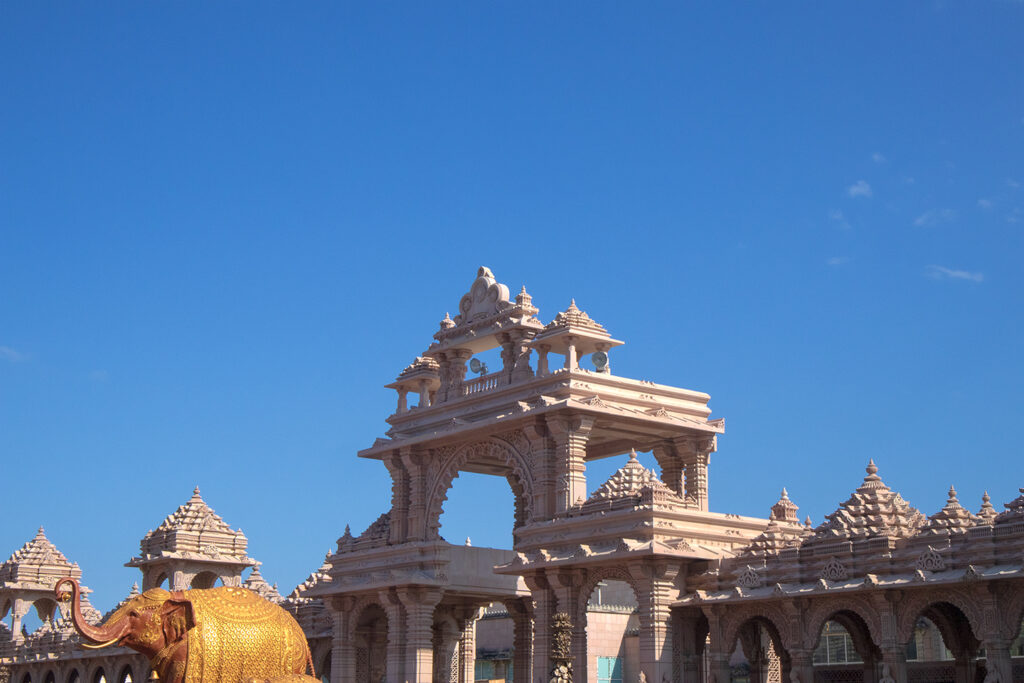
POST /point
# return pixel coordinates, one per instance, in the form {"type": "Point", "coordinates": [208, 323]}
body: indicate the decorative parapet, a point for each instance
{"type": "Point", "coordinates": [377, 534]}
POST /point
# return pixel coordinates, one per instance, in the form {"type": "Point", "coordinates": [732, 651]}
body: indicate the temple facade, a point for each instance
{"type": "Point", "coordinates": [630, 579]}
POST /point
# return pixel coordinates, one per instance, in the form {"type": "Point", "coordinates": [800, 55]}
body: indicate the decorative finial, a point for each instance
{"type": "Point", "coordinates": [572, 303]}
{"type": "Point", "coordinates": [985, 498]}
{"type": "Point", "coordinates": [952, 495]}
{"type": "Point", "coordinates": [469, 543]}
{"type": "Point", "coordinates": [195, 492]}
{"type": "Point", "coordinates": [40, 532]}
{"type": "Point", "coordinates": [785, 494]}
{"type": "Point", "coordinates": [524, 299]}
{"type": "Point", "coordinates": [632, 455]}
{"type": "Point", "coordinates": [807, 522]}
{"type": "Point", "coordinates": [872, 469]}
{"type": "Point", "coordinates": [447, 323]}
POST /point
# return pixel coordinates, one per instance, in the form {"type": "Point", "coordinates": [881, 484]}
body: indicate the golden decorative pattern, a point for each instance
{"type": "Point", "coordinates": [239, 635]}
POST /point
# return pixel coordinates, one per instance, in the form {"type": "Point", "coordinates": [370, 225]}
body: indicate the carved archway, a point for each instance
{"type": "Point", "coordinates": [591, 581]}
{"type": "Point", "coordinates": [764, 615]}
{"type": "Point", "coordinates": [490, 451]}
{"type": "Point", "coordinates": [369, 638]}
{"type": "Point", "coordinates": [858, 614]}
{"type": "Point", "coordinates": [919, 603]}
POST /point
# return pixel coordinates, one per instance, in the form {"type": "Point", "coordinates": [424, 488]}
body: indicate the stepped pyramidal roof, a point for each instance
{"type": "Point", "coordinates": [194, 529]}
{"type": "Point", "coordinates": [873, 510]}
{"type": "Point", "coordinates": [953, 517]}
{"type": "Point", "coordinates": [630, 481]}
{"type": "Point", "coordinates": [37, 564]}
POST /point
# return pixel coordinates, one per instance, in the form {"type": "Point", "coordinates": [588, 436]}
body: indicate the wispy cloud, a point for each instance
{"type": "Point", "coordinates": [934, 217]}
{"type": "Point", "coordinates": [878, 158]}
{"type": "Point", "coordinates": [985, 203]}
{"type": "Point", "coordinates": [909, 179]}
{"type": "Point", "coordinates": [859, 189]}
{"type": "Point", "coordinates": [837, 217]}
{"type": "Point", "coordinates": [943, 273]}
{"type": "Point", "coordinates": [1010, 182]}
{"type": "Point", "coordinates": [10, 355]}
{"type": "Point", "coordinates": [838, 260]}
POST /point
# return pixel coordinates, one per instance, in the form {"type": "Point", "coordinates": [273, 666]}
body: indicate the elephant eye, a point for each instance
{"type": "Point", "coordinates": [134, 614]}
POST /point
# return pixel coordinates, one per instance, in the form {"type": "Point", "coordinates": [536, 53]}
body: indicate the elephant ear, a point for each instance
{"type": "Point", "coordinates": [178, 617]}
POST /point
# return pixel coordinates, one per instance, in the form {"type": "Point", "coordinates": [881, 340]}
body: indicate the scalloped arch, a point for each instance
{"type": "Point", "coordinates": [826, 609]}
{"type": "Point", "coordinates": [782, 636]}
{"type": "Point", "coordinates": [491, 449]}
{"type": "Point", "coordinates": [912, 608]}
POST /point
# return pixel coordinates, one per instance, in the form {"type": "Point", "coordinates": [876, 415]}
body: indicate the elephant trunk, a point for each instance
{"type": "Point", "coordinates": [103, 635]}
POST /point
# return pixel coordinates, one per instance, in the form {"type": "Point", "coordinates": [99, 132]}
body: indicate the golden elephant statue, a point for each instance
{"type": "Point", "coordinates": [226, 634]}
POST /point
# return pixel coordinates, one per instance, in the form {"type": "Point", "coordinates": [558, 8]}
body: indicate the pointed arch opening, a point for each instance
{"type": "Point", "coordinates": [845, 648]}
{"type": "Point", "coordinates": [757, 654]}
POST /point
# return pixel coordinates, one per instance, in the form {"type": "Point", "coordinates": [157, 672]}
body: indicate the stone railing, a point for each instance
{"type": "Point", "coordinates": [481, 384]}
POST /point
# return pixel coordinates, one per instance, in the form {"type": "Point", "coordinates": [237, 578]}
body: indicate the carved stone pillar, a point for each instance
{"type": "Point", "coordinates": [671, 467]}
{"type": "Point", "coordinates": [571, 362]}
{"type": "Point", "coordinates": [457, 371]}
{"type": "Point", "coordinates": [542, 359]}
{"type": "Point", "coordinates": [567, 584]}
{"type": "Point", "coordinates": [343, 651]}
{"type": "Point", "coordinates": [696, 455]}
{"type": "Point", "coordinates": [415, 462]}
{"type": "Point", "coordinates": [997, 659]}
{"type": "Point", "coordinates": [424, 393]}
{"type": "Point", "coordinates": [521, 355]}
{"type": "Point", "coordinates": [801, 667]}
{"type": "Point", "coordinates": [403, 405]}
{"type": "Point", "coordinates": [419, 607]}
{"type": "Point", "coordinates": [570, 435]}
{"type": "Point", "coordinates": [522, 639]}
{"type": "Point", "coordinates": [543, 608]}
{"type": "Point", "coordinates": [894, 664]}
{"type": "Point", "coordinates": [399, 497]}
{"type": "Point", "coordinates": [396, 636]}
{"type": "Point", "coordinates": [656, 590]}
{"type": "Point", "coordinates": [542, 454]}
{"type": "Point", "coordinates": [444, 372]}
{"type": "Point", "coordinates": [719, 651]}
{"type": "Point", "coordinates": [467, 649]}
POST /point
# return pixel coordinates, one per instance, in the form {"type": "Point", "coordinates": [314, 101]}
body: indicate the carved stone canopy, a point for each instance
{"type": "Point", "coordinates": [485, 311]}
{"type": "Point", "coordinates": [574, 327]}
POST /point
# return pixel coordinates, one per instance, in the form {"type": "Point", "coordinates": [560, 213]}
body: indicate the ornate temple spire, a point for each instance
{"type": "Point", "coordinates": [783, 530]}
{"type": "Point", "coordinates": [785, 509]}
{"type": "Point", "coordinates": [953, 517]}
{"type": "Point", "coordinates": [873, 510]}
{"type": "Point", "coordinates": [257, 584]}
{"type": "Point", "coordinates": [987, 514]}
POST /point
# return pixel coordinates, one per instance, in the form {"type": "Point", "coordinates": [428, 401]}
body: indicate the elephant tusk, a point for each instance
{"type": "Point", "coordinates": [101, 645]}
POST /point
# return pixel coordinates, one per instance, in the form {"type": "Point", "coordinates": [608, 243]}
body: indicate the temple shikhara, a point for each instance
{"type": "Point", "coordinates": [633, 579]}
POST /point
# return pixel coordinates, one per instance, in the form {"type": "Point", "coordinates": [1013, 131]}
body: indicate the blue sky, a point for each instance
{"type": "Point", "coordinates": [224, 227]}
